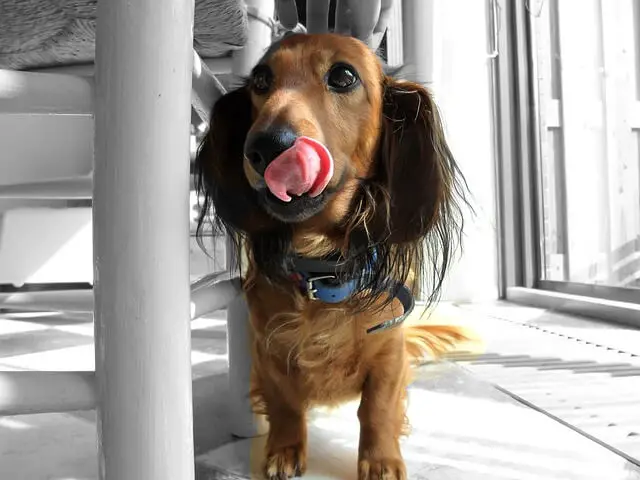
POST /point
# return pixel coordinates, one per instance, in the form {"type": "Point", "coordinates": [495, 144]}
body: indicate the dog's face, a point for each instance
{"type": "Point", "coordinates": [315, 104]}
{"type": "Point", "coordinates": [320, 141]}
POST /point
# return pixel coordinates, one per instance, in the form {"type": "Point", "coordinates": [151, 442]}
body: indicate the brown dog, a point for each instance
{"type": "Point", "coordinates": [339, 184]}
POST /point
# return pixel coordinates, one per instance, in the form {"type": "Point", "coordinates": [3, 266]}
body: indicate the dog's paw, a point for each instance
{"type": "Point", "coordinates": [381, 468]}
{"type": "Point", "coordinates": [285, 463]}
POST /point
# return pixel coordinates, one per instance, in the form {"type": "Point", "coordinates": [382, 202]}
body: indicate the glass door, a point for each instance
{"type": "Point", "coordinates": [586, 83]}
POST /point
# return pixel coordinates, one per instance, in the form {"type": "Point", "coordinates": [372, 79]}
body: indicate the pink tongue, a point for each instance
{"type": "Point", "coordinates": [307, 167]}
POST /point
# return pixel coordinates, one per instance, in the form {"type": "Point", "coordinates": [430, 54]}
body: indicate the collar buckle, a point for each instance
{"type": "Point", "coordinates": [311, 288]}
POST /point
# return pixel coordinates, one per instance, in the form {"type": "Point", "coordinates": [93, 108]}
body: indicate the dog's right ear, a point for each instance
{"type": "Point", "coordinates": [219, 173]}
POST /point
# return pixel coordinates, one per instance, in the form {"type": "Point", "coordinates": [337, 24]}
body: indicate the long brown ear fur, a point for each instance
{"type": "Point", "coordinates": [410, 207]}
{"type": "Point", "coordinates": [415, 164]}
{"type": "Point", "coordinates": [218, 167]}
{"type": "Point", "coordinates": [229, 203]}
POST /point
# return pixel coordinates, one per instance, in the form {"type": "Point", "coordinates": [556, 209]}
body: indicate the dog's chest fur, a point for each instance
{"type": "Point", "coordinates": [317, 352]}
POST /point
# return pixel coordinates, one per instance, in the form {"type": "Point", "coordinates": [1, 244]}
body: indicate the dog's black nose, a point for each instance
{"type": "Point", "coordinates": [261, 148]}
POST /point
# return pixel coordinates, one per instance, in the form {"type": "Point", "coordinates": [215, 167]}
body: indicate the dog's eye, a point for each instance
{"type": "Point", "coordinates": [261, 79]}
{"type": "Point", "coordinates": [342, 78]}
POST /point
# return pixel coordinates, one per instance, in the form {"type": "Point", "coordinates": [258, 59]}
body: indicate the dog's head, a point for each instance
{"type": "Point", "coordinates": [320, 144]}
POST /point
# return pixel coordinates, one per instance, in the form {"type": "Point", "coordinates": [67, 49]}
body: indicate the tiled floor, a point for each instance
{"type": "Point", "coordinates": [63, 446]}
{"type": "Point", "coordinates": [463, 427]}
{"type": "Point", "coordinates": [582, 372]}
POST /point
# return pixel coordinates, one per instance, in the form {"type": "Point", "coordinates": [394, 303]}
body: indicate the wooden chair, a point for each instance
{"type": "Point", "coordinates": [132, 113]}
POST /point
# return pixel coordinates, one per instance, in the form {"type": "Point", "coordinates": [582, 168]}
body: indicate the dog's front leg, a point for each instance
{"type": "Point", "coordinates": [382, 420]}
{"type": "Point", "coordinates": [286, 449]}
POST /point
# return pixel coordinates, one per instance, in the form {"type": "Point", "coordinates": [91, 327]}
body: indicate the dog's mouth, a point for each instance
{"type": "Point", "coordinates": [305, 168]}
{"type": "Point", "coordinates": [297, 209]}
{"type": "Point", "coordinates": [295, 183]}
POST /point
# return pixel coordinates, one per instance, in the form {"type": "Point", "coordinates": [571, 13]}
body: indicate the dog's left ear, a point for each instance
{"type": "Point", "coordinates": [414, 166]}
{"type": "Point", "coordinates": [218, 166]}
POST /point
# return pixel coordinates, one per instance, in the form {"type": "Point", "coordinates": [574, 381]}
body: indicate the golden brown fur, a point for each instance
{"type": "Point", "coordinates": [395, 185]}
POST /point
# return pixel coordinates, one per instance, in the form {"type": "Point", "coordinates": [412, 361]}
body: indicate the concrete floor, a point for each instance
{"type": "Point", "coordinates": [464, 428]}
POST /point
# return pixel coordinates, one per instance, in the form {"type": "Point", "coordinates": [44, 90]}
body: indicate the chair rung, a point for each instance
{"type": "Point", "coordinates": [23, 393]}
{"type": "Point", "coordinates": [63, 188]}
{"type": "Point", "coordinates": [54, 300]}
{"type": "Point", "coordinates": [205, 298]}
{"type": "Point", "coordinates": [45, 93]}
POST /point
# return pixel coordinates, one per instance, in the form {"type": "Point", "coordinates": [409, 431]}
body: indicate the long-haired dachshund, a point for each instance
{"type": "Point", "coordinates": [339, 184]}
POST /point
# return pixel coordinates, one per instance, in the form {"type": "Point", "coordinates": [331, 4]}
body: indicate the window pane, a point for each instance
{"type": "Point", "coordinates": [587, 60]}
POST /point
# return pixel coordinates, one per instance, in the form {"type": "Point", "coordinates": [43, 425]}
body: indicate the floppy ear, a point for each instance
{"type": "Point", "coordinates": [416, 169]}
{"type": "Point", "coordinates": [218, 166]}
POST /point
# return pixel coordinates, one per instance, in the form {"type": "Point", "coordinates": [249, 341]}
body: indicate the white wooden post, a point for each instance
{"type": "Point", "coordinates": [141, 239]}
{"type": "Point", "coordinates": [259, 37]}
{"type": "Point", "coordinates": [418, 38]}
{"type": "Point", "coordinates": [318, 16]}
{"type": "Point", "coordinates": [364, 19]}
{"type": "Point", "coordinates": [244, 423]}
{"type": "Point", "coordinates": [395, 49]}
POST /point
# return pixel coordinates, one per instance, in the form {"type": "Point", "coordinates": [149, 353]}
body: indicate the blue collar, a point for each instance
{"type": "Point", "coordinates": [322, 285]}
{"type": "Point", "coordinates": [325, 288]}
{"type": "Point", "coordinates": [318, 278]}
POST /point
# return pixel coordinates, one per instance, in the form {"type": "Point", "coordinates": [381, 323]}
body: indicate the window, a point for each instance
{"type": "Point", "coordinates": [588, 96]}
{"type": "Point", "coordinates": [568, 115]}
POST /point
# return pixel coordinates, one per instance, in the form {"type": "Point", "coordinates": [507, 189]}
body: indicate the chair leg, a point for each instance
{"type": "Point", "coordinates": [259, 38]}
{"type": "Point", "coordinates": [418, 37]}
{"type": "Point", "coordinates": [244, 423]}
{"type": "Point", "coordinates": [141, 243]}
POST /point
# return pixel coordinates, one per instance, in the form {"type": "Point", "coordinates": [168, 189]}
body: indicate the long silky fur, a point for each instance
{"type": "Point", "coordinates": [269, 249]}
{"type": "Point", "coordinates": [404, 225]}
{"type": "Point", "coordinates": [426, 257]}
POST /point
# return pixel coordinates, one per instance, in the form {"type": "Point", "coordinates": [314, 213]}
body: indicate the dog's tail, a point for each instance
{"type": "Point", "coordinates": [431, 340]}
